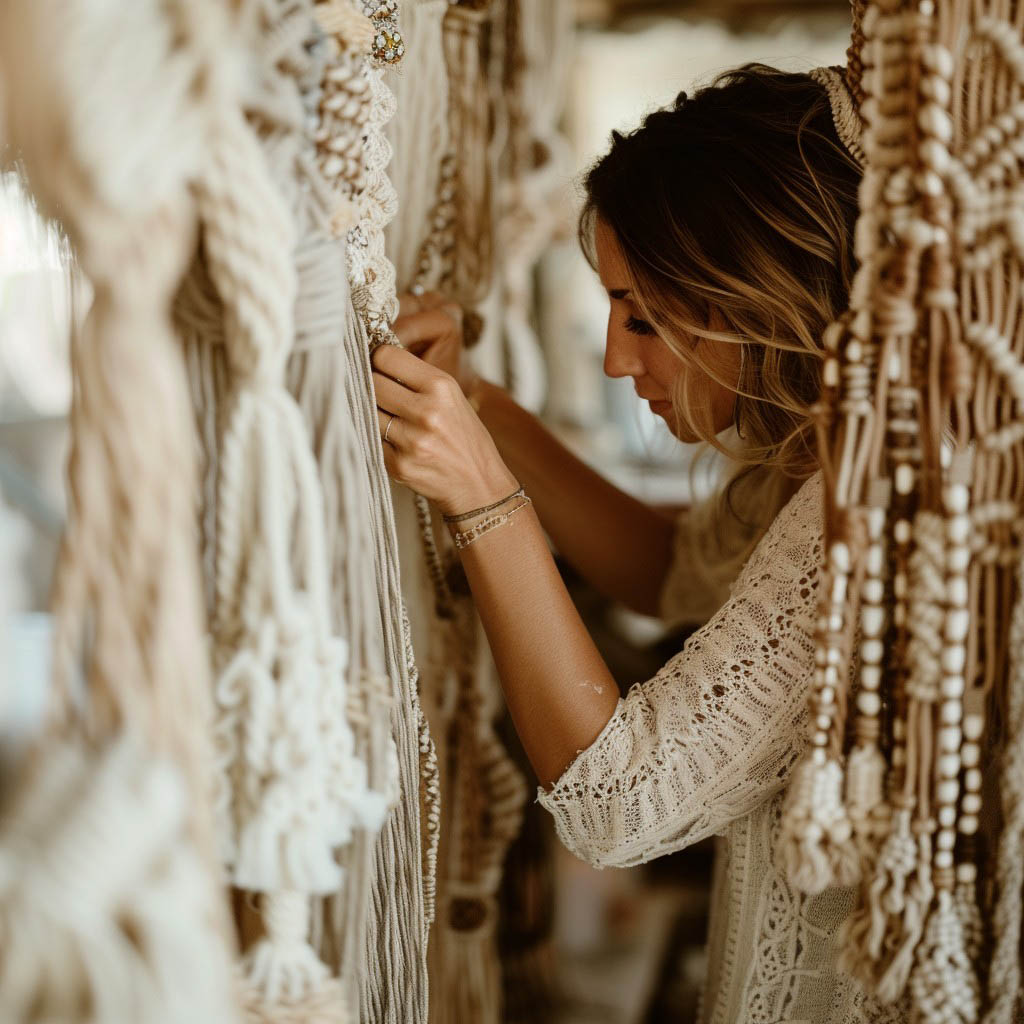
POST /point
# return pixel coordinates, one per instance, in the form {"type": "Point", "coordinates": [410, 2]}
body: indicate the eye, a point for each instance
{"type": "Point", "coordinates": [637, 326]}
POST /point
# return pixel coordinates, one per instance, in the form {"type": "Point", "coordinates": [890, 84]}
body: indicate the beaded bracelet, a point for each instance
{"type": "Point", "coordinates": [487, 508]}
{"type": "Point", "coordinates": [463, 538]}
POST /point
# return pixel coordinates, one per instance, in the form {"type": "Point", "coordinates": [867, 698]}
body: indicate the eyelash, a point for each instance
{"type": "Point", "coordinates": [638, 326]}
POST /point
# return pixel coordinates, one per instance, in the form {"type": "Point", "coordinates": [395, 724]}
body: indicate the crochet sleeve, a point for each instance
{"type": "Point", "coordinates": [715, 733]}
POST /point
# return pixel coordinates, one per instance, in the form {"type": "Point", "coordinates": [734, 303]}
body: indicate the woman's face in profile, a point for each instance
{"type": "Point", "coordinates": [634, 349]}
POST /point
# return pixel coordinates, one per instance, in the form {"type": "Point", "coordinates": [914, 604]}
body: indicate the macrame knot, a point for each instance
{"type": "Point", "coordinates": [943, 984]}
{"type": "Point", "coordinates": [925, 607]}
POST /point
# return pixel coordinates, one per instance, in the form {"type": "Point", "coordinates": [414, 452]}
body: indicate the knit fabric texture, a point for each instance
{"type": "Point", "coordinates": [706, 748]}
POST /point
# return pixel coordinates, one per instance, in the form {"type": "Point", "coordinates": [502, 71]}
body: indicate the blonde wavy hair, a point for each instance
{"type": "Point", "coordinates": [734, 210]}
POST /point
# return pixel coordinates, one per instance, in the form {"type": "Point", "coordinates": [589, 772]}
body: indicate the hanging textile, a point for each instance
{"type": "Point", "coordinates": [109, 901]}
{"type": "Point", "coordinates": [915, 773]}
{"type": "Point", "coordinates": [442, 239]}
{"type": "Point", "coordinates": [317, 728]}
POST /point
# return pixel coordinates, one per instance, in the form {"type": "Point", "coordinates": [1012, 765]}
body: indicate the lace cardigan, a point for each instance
{"type": "Point", "coordinates": [705, 748]}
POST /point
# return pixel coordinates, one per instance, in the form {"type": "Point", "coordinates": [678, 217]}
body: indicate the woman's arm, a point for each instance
{"type": "Point", "coordinates": [558, 689]}
{"type": "Point", "coordinates": [619, 545]}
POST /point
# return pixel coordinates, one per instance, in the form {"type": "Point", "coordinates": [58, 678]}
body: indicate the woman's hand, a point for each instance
{"type": "Point", "coordinates": [434, 442]}
{"type": "Point", "coordinates": [430, 327]}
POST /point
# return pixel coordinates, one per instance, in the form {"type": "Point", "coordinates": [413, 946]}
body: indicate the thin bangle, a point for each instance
{"type": "Point", "coordinates": [519, 493]}
{"type": "Point", "coordinates": [464, 538]}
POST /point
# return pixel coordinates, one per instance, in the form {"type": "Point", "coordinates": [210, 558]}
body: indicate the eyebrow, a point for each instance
{"type": "Point", "coordinates": [619, 293]}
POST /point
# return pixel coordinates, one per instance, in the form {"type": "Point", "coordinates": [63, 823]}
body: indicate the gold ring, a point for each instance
{"type": "Point", "coordinates": [387, 429]}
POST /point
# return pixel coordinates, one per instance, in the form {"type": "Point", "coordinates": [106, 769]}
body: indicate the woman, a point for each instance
{"type": "Point", "coordinates": [722, 233]}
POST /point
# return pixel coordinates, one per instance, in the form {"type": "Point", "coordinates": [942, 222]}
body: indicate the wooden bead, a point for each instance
{"type": "Point", "coordinates": [952, 687]}
{"type": "Point", "coordinates": [869, 703]}
{"type": "Point", "coordinates": [949, 739]}
{"type": "Point", "coordinates": [904, 480]}
{"type": "Point", "coordinates": [957, 498]}
{"type": "Point", "coordinates": [954, 657]}
{"type": "Point", "coordinates": [875, 563]}
{"type": "Point", "coordinates": [870, 677]}
{"type": "Point", "coordinates": [958, 558]}
{"type": "Point", "coordinates": [957, 623]}
{"type": "Point", "coordinates": [956, 591]}
{"type": "Point", "coordinates": [872, 650]}
{"type": "Point", "coordinates": [971, 803]}
{"type": "Point", "coordinates": [839, 555]}
{"type": "Point", "coordinates": [950, 713]}
{"type": "Point", "coordinates": [872, 620]}
{"type": "Point", "coordinates": [966, 872]}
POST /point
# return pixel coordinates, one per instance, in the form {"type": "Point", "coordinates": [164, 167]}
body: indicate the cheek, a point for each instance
{"type": "Point", "coordinates": [663, 366]}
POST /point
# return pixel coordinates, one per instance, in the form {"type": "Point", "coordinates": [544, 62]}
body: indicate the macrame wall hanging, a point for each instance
{"type": "Point", "coordinates": [110, 905]}
{"type": "Point", "coordinates": [914, 783]}
{"type": "Point", "coordinates": [441, 241]}
{"type": "Point", "coordinates": [455, 93]}
{"type": "Point", "coordinates": [318, 729]}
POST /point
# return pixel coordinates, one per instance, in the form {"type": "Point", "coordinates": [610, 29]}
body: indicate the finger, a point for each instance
{"type": "Point", "coordinates": [422, 327]}
{"type": "Point", "coordinates": [390, 459]}
{"type": "Point", "coordinates": [395, 397]}
{"type": "Point", "coordinates": [391, 426]}
{"type": "Point", "coordinates": [398, 364]}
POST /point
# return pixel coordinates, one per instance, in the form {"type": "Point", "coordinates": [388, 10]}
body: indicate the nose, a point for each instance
{"type": "Point", "coordinates": [622, 353]}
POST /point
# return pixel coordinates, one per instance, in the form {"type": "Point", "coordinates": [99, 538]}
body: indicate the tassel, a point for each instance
{"type": "Point", "coordinates": [943, 984]}
{"type": "Point", "coordinates": [283, 966]}
{"type": "Point", "coordinates": [906, 932]}
{"type": "Point", "coordinates": [863, 933]}
{"type": "Point", "coordinates": [818, 848]}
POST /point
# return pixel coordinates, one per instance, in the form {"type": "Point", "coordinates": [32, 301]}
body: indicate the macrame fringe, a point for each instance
{"type": "Point", "coordinates": [818, 849]}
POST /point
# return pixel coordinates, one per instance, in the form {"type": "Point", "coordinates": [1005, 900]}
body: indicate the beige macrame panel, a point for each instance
{"type": "Point", "coordinates": [110, 908]}
{"type": "Point", "coordinates": [914, 778]}
{"type": "Point", "coordinates": [481, 793]}
{"type": "Point", "coordinates": [302, 579]}
{"type": "Point", "coordinates": [458, 149]}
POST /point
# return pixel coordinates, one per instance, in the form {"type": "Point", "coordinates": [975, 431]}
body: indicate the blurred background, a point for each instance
{"type": "Point", "coordinates": [579, 946]}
